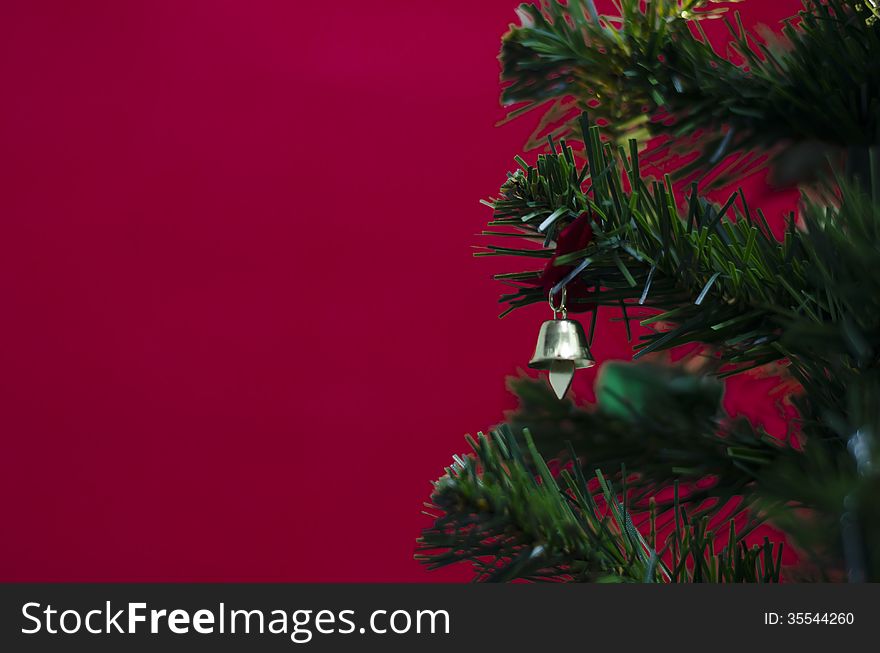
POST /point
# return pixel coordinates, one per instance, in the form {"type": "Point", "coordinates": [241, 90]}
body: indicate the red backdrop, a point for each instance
{"type": "Point", "coordinates": [241, 325]}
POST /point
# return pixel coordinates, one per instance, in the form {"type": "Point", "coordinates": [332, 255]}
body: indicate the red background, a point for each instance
{"type": "Point", "coordinates": [241, 325]}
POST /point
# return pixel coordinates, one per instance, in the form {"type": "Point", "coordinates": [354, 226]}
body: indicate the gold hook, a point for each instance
{"type": "Point", "coordinates": [561, 308]}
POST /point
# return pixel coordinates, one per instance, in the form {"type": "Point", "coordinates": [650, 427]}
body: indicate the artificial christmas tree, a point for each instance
{"type": "Point", "coordinates": [656, 482]}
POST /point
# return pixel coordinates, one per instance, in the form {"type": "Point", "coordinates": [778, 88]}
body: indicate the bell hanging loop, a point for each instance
{"type": "Point", "coordinates": [561, 307]}
{"type": "Point", "coordinates": [562, 348]}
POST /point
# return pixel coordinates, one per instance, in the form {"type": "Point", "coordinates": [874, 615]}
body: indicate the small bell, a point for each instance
{"type": "Point", "coordinates": [561, 349]}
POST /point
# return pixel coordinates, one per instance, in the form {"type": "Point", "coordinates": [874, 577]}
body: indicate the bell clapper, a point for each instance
{"type": "Point", "coordinates": [561, 375]}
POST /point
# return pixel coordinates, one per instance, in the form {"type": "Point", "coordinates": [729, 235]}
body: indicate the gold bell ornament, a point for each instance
{"type": "Point", "coordinates": [561, 349]}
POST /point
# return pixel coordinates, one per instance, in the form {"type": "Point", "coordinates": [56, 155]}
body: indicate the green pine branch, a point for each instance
{"type": "Point", "coordinates": [661, 423]}
{"type": "Point", "coordinates": [504, 511]}
{"type": "Point", "coordinates": [717, 274]}
{"type": "Point", "coordinates": [650, 71]}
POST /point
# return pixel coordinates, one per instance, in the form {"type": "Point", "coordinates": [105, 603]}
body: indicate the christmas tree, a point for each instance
{"type": "Point", "coordinates": [642, 120]}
